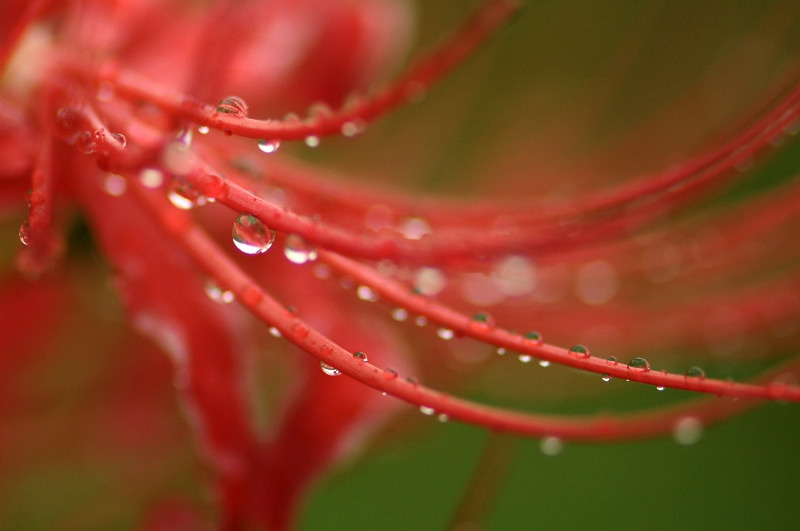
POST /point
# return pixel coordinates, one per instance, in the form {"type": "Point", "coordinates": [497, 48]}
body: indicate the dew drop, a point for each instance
{"type": "Point", "coordinates": [579, 352]}
{"type": "Point", "coordinates": [696, 373]}
{"type": "Point", "coordinates": [443, 417]}
{"type": "Point", "coordinates": [353, 128]}
{"type": "Point", "coordinates": [251, 296]}
{"type": "Point", "coordinates": [25, 233]}
{"type": "Point", "coordinates": [298, 251]}
{"type": "Point", "coordinates": [551, 446]}
{"type": "Point", "coordinates": [660, 388]}
{"type": "Point", "coordinates": [429, 281]}
{"type": "Point", "coordinates": [312, 141]}
{"type": "Point", "coordinates": [639, 365]}
{"type": "Point", "coordinates": [86, 143]}
{"type": "Point", "coordinates": [268, 146]}
{"type": "Point", "coordinates": [525, 358]}
{"type": "Point", "coordinates": [544, 363]}
{"type": "Point", "coordinates": [151, 178]}
{"type": "Point", "coordinates": [534, 337]}
{"type": "Point", "coordinates": [325, 349]}
{"type": "Point", "coordinates": [213, 186]}
{"type": "Point", "coordinates": [687, 430]}
{"type": "Point", "coordinates": [184, 196]}
{"type": "Point", "coordinates": [390, 374]}
{"type": "Point", "coordinates": [234, 106]}
{"type": "Point", "coordinates": [415, 228]}
{"type": "Point", "coordinates": [481, 321]}
{"type": "Point", "coordinates": [399, 314]}
{"type": "Point", "coordinates": [250, 235]}
{"type": "Point", "coordinates": [299, 331]}
{"type": "Point", "coordinates": [421, 321]}
{"type": "Point", "coordinates": [365, 293]}
{"type": "Point", "coordinates": [115, 185]}
{"type": "Point", "coordinates": [612, 360]}
{"type": "Point", "coordinates": [329, 370]}
{"type": "Point", "coordinates": [274, 331]}
{"type": "Point", "coordinates": [203, 129]}
{"type": "Point", "coordinates": [425, 410]}
{"type": "Point", "coordinates": [606, 377]}
{"type": "Point", "coordinates": [500, 351]}
{"type": "Point", "coordinates": [445, 333]}
{"type": "Point", "coordinates": [217, 294]}
{"type": "Point", "coordinates": [120, 139]}
{"type": "Point", "coordinates": [360, 356]}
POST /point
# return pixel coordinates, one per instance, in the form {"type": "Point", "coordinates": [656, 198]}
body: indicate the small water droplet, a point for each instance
{"type": "Point", "coordinates": [365, 293]}
{"type": "Point", "coordinates": [212, 186]}
{"type": "Point", "coordinates": [298, 251]}
{"type": "Point", "coordinates": [551, 446]}
{"type": "Point", "coordinates": [250, 235]}
{"type": "Point", "coordinates": [639, 365]}
{"type": "Point", "coordinates": [534, 337]}
{"type": "Point", "coordinates": [425, 410]}
{"type": "Point", "coordinates": [353, 128]}
{"type": "Point", "coordinates": [579, 352]}
{"type": "Point", "coordinates": [360, 356]}
{"type": "Point", "coordinates": [606, 377]}
{"type": "Point", "coordinates": [445, 333]}
{"type": "Point", "coordinates": [612, 360]}
{"type": "Point", "coordinates": [390, 374]}
{"type": "Point", "coordinates": [421, 321]}
{"type": "Point", "coordinates": [115, 185]}
{"type": "Point", "coordinates": [312, 141]}
{"type": "Point", "coordinates": [120, 139]}
{"type": "Point", "coordinates": [443, 417]}
{"type": "Point", "coordinates": [687, 430]}
{"type": "Point", "coordinates": [203, 129]}
{"type": "Point", "coordinates": [217, 294]}
{"type": "Point", "coordinates": [184, 196]}
{"type": "Point", "coordinates": [399, 314]}
{"type": "Point", "coordinates": [524, 358]}
{"type": "Point", "coordinates": [25, 233]}
{"type": "Point", "coordinates": [482, 321]}
{"type": "Point", "coordinates": [325, 349]}
{"type": "Point", "coordinates": [544, 363]}
{"type": "Point", "coordinates": [429, 281]}
{"type": "Point", "coordinates": [500, 351]}
{"type": "Point", "coordinates": [329, 370]}
{"type": "Point", "coordinates": [274, 331]}
{"type": "Point", "coordinates": [86, 142]}
{"type": "Point", "coordinates": [268, 146]}
{"type": "Point", "coordinates": [696, 372]}
{"type": "Point", "coordinates": [151, 178]}
{"type": "Point", "coordinates": [251, 296]}
{"type": "Point", "coordinates": [414, 228]}
{"type": "Point", "coordinates": [299, 331]}
{"type": "Point", "coordinates": [233, 105]}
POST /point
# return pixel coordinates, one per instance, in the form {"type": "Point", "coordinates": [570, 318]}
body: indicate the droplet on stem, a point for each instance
{"type": "Point", "coordinates": [250, 235]}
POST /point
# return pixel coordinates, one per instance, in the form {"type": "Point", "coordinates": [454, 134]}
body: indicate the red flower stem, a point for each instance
{"type": "Point", "coordinates": [227, 274]}
{"type": "Point", "coordinates": [464, 325]}
{"type": "Point", "coordinates": [473, 33]}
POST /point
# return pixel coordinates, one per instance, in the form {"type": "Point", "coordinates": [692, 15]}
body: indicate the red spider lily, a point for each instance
{"type": "Point", "coordinates": [145, 119]}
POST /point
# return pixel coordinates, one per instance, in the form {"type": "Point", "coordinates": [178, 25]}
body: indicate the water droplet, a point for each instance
{"type": "Point", "coordinates": [25, 233]}
{"type": "Point", "coordinates": [413, 381]}
{"type": "Point", "coordinates": [421, 321]}
{"type": "Point", "coordinates": [353, 128]}
{"type": "Point", "coordinates": [544, 363]}
{"type": "Point", "coordinates": [268, 146]}
{"type": "Point", "coordinates": [326, 349]}
{"type": "Point", "coordinates": [612, 360]}
{"type": "Point", "coordinates": [425, 410]}
{"type": "Point", "coordinates": [312, 141]}
{"type": "Point", "coordinates": [500, 351]}
{"type": "Point", "coordinates": [551, 446]}
{"type": "Point", "coordinates": [217, 294]}
{"type": "Point", "coordinates": [251, 296]}
{"type": "Point", "coordinates": [579, 352]}
{"type": "Point", "coordinates": [606, 377]}
{"type": "Point", "coordinates": [120, 139]}
{"type": "Point", "coordinates": [687, 430]}
{"type": "Point", "coordinates": [274, 331]}
{"type": "Point", "coordinates": [390, 374]}
{"type": "Point", "coordinates": [660, 388]}
{"type": "Point", "coordinates": [329, 370]}
{"type": "Point", "coordinates": [443, 417]}
{"type": "Point", "coordinates": [429, 281]}
{"type": "Point", "coordinates": [203, 129]}
{"type": "Point", "coordinates": [399, 314]}
{"type": "Point", "coordinates": [696, 372]}
{"type": "Point", "coordinates": [86, 142]}
{"type": "Point", "coordinates": [234, 106]}
{"type": "Point", "coordinates": [69, 121]}
{"type": "Point", "coordinates": [299, 331]}
{"type": "Point", "coordinates": [445, 333]}
{"type": "Point", "coordinates": [524, 358]}
{"type": "Point", "coordinates": [250, 235]}
{"type": "Point", "coordinates": [212, 186]}
{"type": "Point", "coordinates": [360, 356]}
{"type": "Point", "coordinates": [639, 365]}
{"type": "Point", "coordinates": [184, 196]}
{"type": "Point", "coordinates": [414, 228]}
{"type": "Point", "coordinates": [534, 337]}
{"type": "Point", "coordinates": [482, 321]}
{"type": "Point", "coordinates": [298, 251]}
{"type": "Point", "coordinates": [365, 293]}
{"type": "Point", "coordinates": [115, 185]}
{"type": "Point", "coordinates": [151, 178]}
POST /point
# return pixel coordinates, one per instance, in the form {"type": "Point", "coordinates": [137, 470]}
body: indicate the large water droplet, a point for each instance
{"type": "Point", "coordinates": [360, 356]}
{"type": "Point", "coordinates": [579, 352]}
{"type": "Point", "coordinates": [639, 365]}
{"type": "Point", "coordinates": [250, 235]}
{"type": "Point", "coordinates": [268, 146]}
{"type": "Point", "coordinates": [329, 370]}
{"type": "Point", "coordinates": [233, 105]}
{"type": "Point", "coordinates": [298, 251]}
